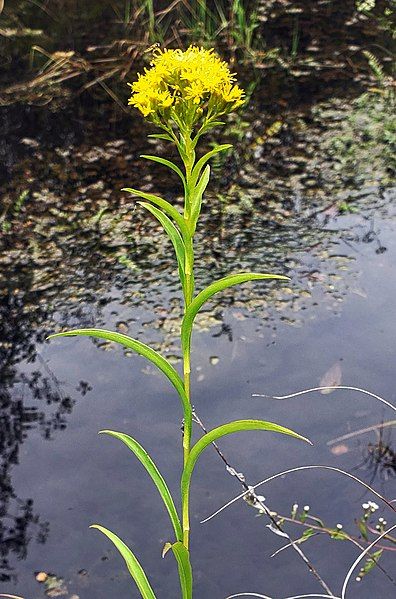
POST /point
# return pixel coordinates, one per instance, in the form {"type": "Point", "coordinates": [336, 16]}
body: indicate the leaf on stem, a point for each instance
{"type": "Point", "coordinates": [173, 235]}
{"type": "Point", "coordinates": [182, 556]}
{"type": "Point", "coordinates": [226, 429]}
{"type": "Point", "coordinates": [160, 136]}
{"type": "Point", "coordinates": [197, 193]}
{"type": "Point", "coordinates": [202, 161]}
{"type": "Point", "coordinates": [155, 475]}
{"type": "Point", "coordinates": [167, 163]}
{"type": "Point", "coordinates": [134, 567]}
{"type": "Point", "coordinates": [140, 348]}
{"type": "Point", "coordinates": [164, 205]}
{"type": "Point", "coordinates": [211, 290]}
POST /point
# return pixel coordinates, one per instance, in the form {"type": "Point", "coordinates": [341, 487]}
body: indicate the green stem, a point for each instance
{"type": "Point", "coordinates": [188, 157]}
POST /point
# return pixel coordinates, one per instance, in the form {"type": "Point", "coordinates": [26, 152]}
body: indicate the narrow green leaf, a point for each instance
{"type": "Point", "coordinates": [164, 205]}
{"type": "Point", "coordinates": [202, 161]}
{"type": "Point", "coordinates": [182, 556]}
{"type": "Point", "coordinates": [174, 236]}
{"type": "Point", "coordinates": [216, 123]}
{"type": "Point", "coordinates": [337, 534]}
{"type": "Point", "coordinates": [206, 128]}
{"type": "Point", "coordinates": [370, 562]}
{"type": "Point", "coordinates": [140, 348]}
{"type": "Point", "coordinates": [167, 163]}
{"type": "Point", "coordinates": [134, 567]}
{"type": "Point", "coordinates": [196, 199]}
{"type": "Point", "coordinates": [212, 289]}
{"type": "Point", "coordinates": [309, 532]}
{"type": "Point", "coordinates": [155, 475]}
{"type": "Point", "coordinates": [226, 429]}
{"type": "Point", "coordinates": [160, 136]}
{"type": "Point", "coordinates": [363, 528]}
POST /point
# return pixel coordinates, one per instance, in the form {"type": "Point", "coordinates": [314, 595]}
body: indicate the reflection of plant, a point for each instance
{"type": "Point", "coordinates": [382, 12]}
{"type": "Point", "coordinates": [184, 94]}
{"type": "Point", "coordinates": [366, 139]}
{"type": "Point", "coordinates": [385, 83]}
{"type": "Point", "coordinates": [365, 5]}
{"type": "Point", "coordinates": [13, 211]}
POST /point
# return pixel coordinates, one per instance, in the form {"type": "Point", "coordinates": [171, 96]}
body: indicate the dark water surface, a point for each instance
{"type": "Point", "coordinates": [63, 268]}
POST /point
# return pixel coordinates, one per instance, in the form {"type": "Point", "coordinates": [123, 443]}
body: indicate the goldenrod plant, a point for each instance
{"type": "Point", "coordinates": [184, 94]}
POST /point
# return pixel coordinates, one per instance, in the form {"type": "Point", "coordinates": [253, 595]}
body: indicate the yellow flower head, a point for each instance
{"type": "Point", "coordinates": [185, 86]}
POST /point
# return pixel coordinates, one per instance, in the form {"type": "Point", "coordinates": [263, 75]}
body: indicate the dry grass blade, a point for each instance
{"type": "Point", "coordinates": [5, 594]}
{"type": "Point", "coordinates": [362, 431]}
{"type": "Point", "coordinates": [298, 469]}
{"type": "Point", "coordinates": [60, 67]}
{"type": "Point", "coordinates": [360, 557]}
{"type": "Point", "coordinates": [335, 387]}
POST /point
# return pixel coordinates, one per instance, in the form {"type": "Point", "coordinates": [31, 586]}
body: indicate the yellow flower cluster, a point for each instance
{"type": "Point", "coordinates": [183, 84]}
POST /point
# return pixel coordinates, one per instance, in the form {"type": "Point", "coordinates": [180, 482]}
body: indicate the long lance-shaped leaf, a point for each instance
{"type": "Point", "coordinates": [155, 475]}
{"type": "Point", "coordinates": [202, 161]}
{"type": "Point", "coordinates": [226, 429]}
{"type": "Point", "coordinates": [197, 193]}
{"type": "Point", "coordinates": [167, 163]}
{"type": "Point", "coordinates": [140, 348]}
{"type": "Point", "coordinates": [211, 290]}
{"type": "Point", "coordinates": [182, 556]}
{"type": "Point", "coordinates": [174, 236]}
{"type": "Point", "coordinates": [134, 567]}
{"type": "Point", "coordinates": [165, 206]}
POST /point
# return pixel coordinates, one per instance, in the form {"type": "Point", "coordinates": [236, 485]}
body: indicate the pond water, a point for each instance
{"type": "Point", "coordinates": [66, 261]}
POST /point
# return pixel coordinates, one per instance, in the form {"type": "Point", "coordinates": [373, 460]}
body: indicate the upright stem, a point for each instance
{"type": "Point", "coordinates": [188, 159]}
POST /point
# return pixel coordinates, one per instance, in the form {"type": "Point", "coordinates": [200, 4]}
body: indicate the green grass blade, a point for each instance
{"type": "Point", "coordinates": [155, 475]}
{"type": "Point", "coordinates": [164, 205]}
{"type": "Point", "coordinates": [182, 556]}
{"type": "Point", "coordinates": [202, 161]}
{"type": "Point", "coordinates": [226, 429]}
{"type": "Point", "coordinates": [196, 200]}
{"type": "Point", "coordinates": [140, 348]}
{"type": "Point", "coordinates": [167, 163]}
{"type": "Point", "coordinates": [211, 290]}
{"type": "Point", "coordinates": [134, 567]}
{"type": "Point", "coordinates": [173, 235]}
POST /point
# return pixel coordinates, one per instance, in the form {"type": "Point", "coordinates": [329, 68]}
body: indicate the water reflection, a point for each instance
{"type": "Point", "coordinates": [80, 254]}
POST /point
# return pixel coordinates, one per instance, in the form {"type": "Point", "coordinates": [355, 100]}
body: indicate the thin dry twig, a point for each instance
{"type": "Point", "coordinates": [330, 387]}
